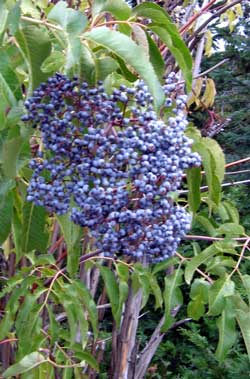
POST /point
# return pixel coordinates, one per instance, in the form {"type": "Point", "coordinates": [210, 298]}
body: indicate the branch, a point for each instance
{"type": "Point", "coordinates": [205, 23]}
{"type": "Point", "coordinates": [41, 22]}
{"type": "Point", "coordinates": [152, 345]}
{"type": "Point", "coordinates": [207, 238]}
{"type": "Point", "coordinates": [241, 256]}
{"type": "Point", "coordinates": [237, 162]}
{"type": "Point", "coordinates": [205, 188]}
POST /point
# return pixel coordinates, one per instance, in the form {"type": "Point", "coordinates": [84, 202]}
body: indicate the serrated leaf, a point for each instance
{"type": "Point", "coordinates": [155, 57]}
{"type": "Point", "coordinates": [6, 92]}
{"type": "Point", "coordinates": [112, 290]}
{"type": "Point", "coordinates": [207, 224]}
{"type": "Point", "coordinates": [72, 235]}
{"type": "Point", "coordinates": [87, 65]}
{"type": "Point", "coordinates": [105, 66]}
{"type": "Point", "coordinates": [230, 229]}
{"type": "Point", "coordinates": [117, 8]}
{"type": "Point", "coordinates": [156, 290]}
{"type": "Point", "coordinates": [164, 27]}
{"type": "Point", "coordinates": [35, 235]}
{"type": "Point", "coordinates": [232, 211]}
{"type": "Point", "coordinates": [72, 21]}
{"type": "Point", "coordinates": [220, 289]}
{"type": "Point", "coordinates": [14, 18]}
{"type": "Point", "coordinates": [25, 313]}
{"type": "Point", "coordinates": [194, 193]}
{"type": "Point", "coordinates": [172, 296]}
{"type": "Point", "coordinates": [227, 332]}
{"type": "Point", "coordinates": [86, 298]}
{"type": "Point", "coordinates": [218, 155]}
{"type": "Point", "coordinates": [210, 164]}
{"type": "Point", "coordinates": [243, 319]}
{"type": "Point", "coordinates": [199, 296]}
{"type": "Point", "coordinates": [6, 212]}
{"type": "Point", "coordinates": [132, 54]}
{"type": "Point", "coordinates": [54, 62]}
{"type": "Point", "coordinates": [122, 271]}
{"type": "Point", "coordinates": [123, 294]}
{"type": "Point", "coordinates": [246, 282]}
{"type": "Point", "coordinates": [73, 52]}
{"type": "Point", "coordinates": [165, 264]}
{"type": "Point", "coordinates": [88, 358]}
{"type": "Point", "coordinates": [195, 262]}
{"type": "Point", "coordinates": [10, 154]}
{"type": "Point", "coordinates": [29, 362]}
{"type": "Point", "coordinates": [72, 318]}
{"type": "Point", "coordinates": [35, 47]}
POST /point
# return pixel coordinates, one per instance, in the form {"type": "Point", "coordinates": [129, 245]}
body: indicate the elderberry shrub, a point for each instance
{"type": "Point", "coordinates": [112, 164]}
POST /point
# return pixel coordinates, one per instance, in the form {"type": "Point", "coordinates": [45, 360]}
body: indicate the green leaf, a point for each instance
{"type": "Point", "coordinates": [12, 85]}
{"type": "Point", "coordinates": [220, 289]}
{"type": "Point", "coordinates": [163, 26]}
{"type": "Point", "coordinates": [194, 193]}
{"type": "Point", "coordinates": [29, 362]}
{"type": "Point", "coordinates": [105, 66]}
{"type": "Point", "coordinates": [87, 67]}
{"type": "Point", "coordinates": [3, 20]}
{"type": "Point", "coordinates": [165, 264]}
{"type": "Point", "coordinates": [27, 318]}
{"type": "Point", "coordinates": [6, 212]}
{"type": "Point", "coordinates": [122, 271]}
{"type": "Point", "coordinates": [35, 47]}
{"type": "Point", "coordinates": [54, 62]}
{"type": "Point", "coordinates": [199, 296]}
{"type": "Point", "coordinates": [123, 294]}
{"type": "Point", "coordinates": [243, 319]}
{"type": "Point", "coordinates": [112, 290]}
{"type": "Point", "coordinates": [209, 164]}
{"type": "Point", "coordinates": [207, 224]}
{"type": "Point", "coordinates": [218, 155]}
{"type": "Point", "coordinates": [144, 282]}
{"type": "Point", "coordinates": [155, 57]}
{"type": "Point", "coordinates": [118, 8]}
{"type": "Point", "coordinates": [227, 332]}
{"type": "Point", "coordinates": [72, 235]}
{"type": "Point", "coordinates": [232, 211]}
{"type": "Point", "coordinates": [10, 155]}
{"type": "Point", "coordinates": [14, 18]}
{"type": "Point", "coordinates": [195, 262]}
{"type": "Point", "coordinates": [132, 54]}
{"type": "Point", "coordinates": [6, 92]}
{"type": "Point", "coordinates": [72, 21]}
{"type": "Point", "coordinates": [73, 52]}
{"type": "Point", "coordinates": [246, 282]}
{"type": "Point", "coordinates": [156, 290]}
{"type": "Point", "coordinates": [35, 235]}
{"type": "Point", "coordinates": [230, 230]}
{"type": "Point", "coordinates": [72, 318]}
{"type": "Point", "coordinates": [172, 296]}
{"type": "Point", "coordinates": [88, 302]}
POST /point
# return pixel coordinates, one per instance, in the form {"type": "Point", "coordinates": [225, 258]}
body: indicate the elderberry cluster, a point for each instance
{"type": "Point", "coordinates": [112, 164]}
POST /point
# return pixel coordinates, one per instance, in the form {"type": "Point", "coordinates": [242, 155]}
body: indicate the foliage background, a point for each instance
{"type": "Point", "coordinates": [201, 295]}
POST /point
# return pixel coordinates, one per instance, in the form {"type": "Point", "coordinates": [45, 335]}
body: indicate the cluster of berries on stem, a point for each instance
{"type": "Point", "coordinates": [112, 164]}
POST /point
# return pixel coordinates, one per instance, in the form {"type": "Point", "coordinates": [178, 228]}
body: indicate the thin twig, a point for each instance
{"type": "Point", "coordinates": [205, 188]}
{"type": "Point", "coordinates": [240, 257]}
{"type": "Point", "coordinates": [41, 22]}
{"type": "Point", "coordinates": [205, 23]}
{"type": "Point", "coordinates": [207, 238]}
